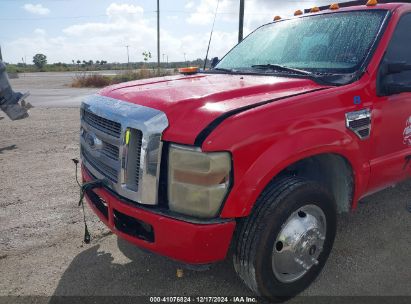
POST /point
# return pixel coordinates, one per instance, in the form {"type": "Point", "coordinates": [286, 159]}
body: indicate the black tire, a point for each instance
{"type": "Point", "coordinates": [256, 234]}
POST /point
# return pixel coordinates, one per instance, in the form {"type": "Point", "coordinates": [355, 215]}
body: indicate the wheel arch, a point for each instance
{"type": "Point", "coordinates": [333, 171]}
{"type": "Point", "coordinates": [343, 155]}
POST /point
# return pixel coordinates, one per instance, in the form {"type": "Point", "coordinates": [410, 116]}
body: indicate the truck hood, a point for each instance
{"type": "Point", "coordinates": [192, 103]}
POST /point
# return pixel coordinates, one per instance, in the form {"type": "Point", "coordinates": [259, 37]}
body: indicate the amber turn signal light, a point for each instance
{"type": "Point", "coordinates": [188, 71]}
{"type": "Point", "coordinates": [298, 13]}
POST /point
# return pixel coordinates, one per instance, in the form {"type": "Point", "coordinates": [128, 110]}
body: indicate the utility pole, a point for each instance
{"type": "Point", "coordinates": [241, 22]}
{"type": "Point", "coordinates": [158, 37]}
{"type": "Point", "coordinates": [128, 57]}
{"type": "Point", "coordinates": [1, 56]}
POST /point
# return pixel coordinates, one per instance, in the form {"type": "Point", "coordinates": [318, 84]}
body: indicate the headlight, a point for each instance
{"type": "Point", "coordinates": [197, 181]}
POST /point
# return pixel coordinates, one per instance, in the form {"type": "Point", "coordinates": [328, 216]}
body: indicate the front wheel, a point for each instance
{"type": "Point", "coordinates": [284, 243]}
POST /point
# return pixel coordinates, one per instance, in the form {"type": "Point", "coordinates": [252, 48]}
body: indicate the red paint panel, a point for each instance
{"type": "Point", "coordinates": [191, 103]}
{"type": "Point", "coordinates": [182, 241]}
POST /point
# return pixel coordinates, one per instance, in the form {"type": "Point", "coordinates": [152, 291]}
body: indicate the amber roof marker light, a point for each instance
{"type": "Point", "coordinates": [372, 2]}
{"type": "Point", "coordinates": [298, 13]}
{"type": "Point", "coordinates": [276, 18]}
{"type": "Point", "coordinates": [189, 70]}
{"type": "Point", "coordinates": [334, 6]}
{"type": "Point", "coordinates": [315, 9]}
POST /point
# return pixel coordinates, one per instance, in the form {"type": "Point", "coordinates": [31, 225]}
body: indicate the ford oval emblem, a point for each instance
{"type": "Point", "coordinates": [93, 141]}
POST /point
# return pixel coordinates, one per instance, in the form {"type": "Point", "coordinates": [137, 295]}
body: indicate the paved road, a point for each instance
{"type": "Point", "coordinates": [52, 89]}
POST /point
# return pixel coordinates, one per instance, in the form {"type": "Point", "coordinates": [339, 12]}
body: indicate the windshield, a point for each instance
{"type": "Point", "coordinates": [333, 43]}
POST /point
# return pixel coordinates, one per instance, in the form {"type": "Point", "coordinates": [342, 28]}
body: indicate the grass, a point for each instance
{"type": "Point", "coordinates": [92, 80]}
{"type": "Point", "coordinates": [87, 67]}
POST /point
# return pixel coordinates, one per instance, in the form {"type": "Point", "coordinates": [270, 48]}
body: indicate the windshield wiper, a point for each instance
{"type": "Point", "coordinates": [277, 67]}
{"type": "Point", "coordinates": [222, 70]}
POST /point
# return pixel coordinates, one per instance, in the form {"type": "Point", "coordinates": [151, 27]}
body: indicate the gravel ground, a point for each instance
{"type": "Point", "coordinates": [41, 250]}
{"type": "Point", "coordinates": [41, 231]}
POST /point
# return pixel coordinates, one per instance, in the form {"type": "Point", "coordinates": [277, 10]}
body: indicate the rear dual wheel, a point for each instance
{"type": "Point", "coordinates": [283, 245]}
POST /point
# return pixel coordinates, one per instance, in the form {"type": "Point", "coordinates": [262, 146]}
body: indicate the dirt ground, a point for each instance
{"type": "Point", "coordinates": [41, 231]}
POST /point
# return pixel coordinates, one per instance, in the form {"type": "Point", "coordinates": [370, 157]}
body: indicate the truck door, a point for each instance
{"type": "Point", "coordinates": [391, 130]}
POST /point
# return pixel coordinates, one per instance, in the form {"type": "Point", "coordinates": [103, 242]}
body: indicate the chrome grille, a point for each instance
{"type": "Point", "coordinates": [359, 122]}
{"type": "Point", "coordinates": [138, 157]}
{"type": "Point", "coordinates": [121, 142]}
{"type": "Point", "coordinates": [111, 151]}
{"type": "Point", "coordinates": [101, 167]}
{"type": "Point", "coordinates": [105, 125]}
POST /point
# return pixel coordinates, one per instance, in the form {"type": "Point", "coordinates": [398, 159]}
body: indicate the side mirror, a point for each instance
{"type": "Point", "coordinates": [394, 67]}
{"type": "Point", "coordinates": [214, 62]}
{"type": "Point", "coordinates": [387, 85]}
{"type": "Point", "coordinates": [391, 87]}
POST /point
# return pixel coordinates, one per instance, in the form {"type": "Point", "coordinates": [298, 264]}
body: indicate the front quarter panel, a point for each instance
{"type": "Point", "coordinates": [267, 139]}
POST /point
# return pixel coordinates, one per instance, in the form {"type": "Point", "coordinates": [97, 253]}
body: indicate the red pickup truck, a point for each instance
{"type": "Point", "coordinates": [296, 123]}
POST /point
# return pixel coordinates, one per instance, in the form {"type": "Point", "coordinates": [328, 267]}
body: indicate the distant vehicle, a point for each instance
{"type": "Point", "coordinates": [299, 121]}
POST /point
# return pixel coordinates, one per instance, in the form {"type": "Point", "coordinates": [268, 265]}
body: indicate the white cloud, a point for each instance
{"type": "Point", "coordinates": [39, 32]}
{"type": "Point", "coordinates": [37, 9]}
{"type": "Point", "coordinates": [127, 24]}
{"type": "Point", "coordinates": [189, 4]}
{"type": "Point", "coordinates": [257, 12]}
{"type": "Point", "coordinates": [106, 40]}
{"type": "Point", "coordinates": [204, 11]}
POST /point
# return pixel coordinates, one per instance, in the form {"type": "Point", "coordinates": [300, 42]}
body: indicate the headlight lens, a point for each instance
{"type": "Point", "coordinates": [197, 181]}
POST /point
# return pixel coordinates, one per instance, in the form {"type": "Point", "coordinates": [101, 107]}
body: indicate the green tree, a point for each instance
{"type": "Point", "coordinates": [146, 57]}
{"type": "Point", "coordinates": [40, 60]}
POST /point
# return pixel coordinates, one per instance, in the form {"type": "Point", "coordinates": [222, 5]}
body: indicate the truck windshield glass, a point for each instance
{"type": "Point", "coordinates": [329, 43]}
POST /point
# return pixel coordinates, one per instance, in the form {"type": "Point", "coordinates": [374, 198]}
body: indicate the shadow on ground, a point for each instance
{"type": "Point", "coordinates": [95, 273]}
{"type": "Point", "coordinates": [358, 265]}
{"type": "Point", "coordinates": [8, 148]}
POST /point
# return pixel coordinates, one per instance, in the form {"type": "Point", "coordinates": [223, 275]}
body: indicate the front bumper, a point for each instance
{"type": "Point", "coordinates": [182, 241]}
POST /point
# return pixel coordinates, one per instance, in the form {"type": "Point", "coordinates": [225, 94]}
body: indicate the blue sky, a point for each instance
{"type": "Point", "coordinates": [67, 30]}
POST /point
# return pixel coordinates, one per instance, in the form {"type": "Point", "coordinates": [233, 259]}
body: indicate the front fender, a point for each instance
{"type": "Point", "coordinates": [281, 154]}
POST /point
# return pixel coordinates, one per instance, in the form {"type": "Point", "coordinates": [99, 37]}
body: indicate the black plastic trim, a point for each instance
{"type": "Point", "coordinates": [380, 76]}
{"type": "Point", "coordinates": [98, 203]}
{"type": "Point", "coordinates": [163, 180]}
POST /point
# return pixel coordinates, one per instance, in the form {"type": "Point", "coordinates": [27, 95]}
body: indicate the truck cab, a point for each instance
{"type": "Point", "coordinates": [297, 123]}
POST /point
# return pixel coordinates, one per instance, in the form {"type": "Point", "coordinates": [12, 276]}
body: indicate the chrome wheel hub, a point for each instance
{"type": "Point", "coordinates": [299, 243]}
